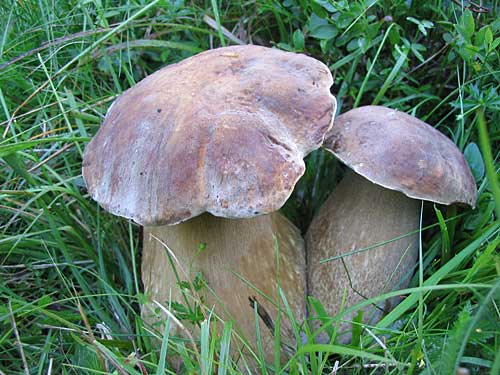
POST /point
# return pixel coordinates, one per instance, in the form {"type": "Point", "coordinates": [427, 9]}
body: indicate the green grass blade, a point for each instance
{"type": "Point", "coordinates": [485, 146]}
{"type": "Point", "coordinates": [163, 350]}
{"type": "Point", "coordinates": [225, 346]}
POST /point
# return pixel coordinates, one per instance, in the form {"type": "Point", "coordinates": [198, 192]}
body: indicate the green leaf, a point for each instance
{"type": "Point", "coordinates": [475, 160]}
{"type": "Point", "coordinates": [422, 25]}
{"type": "Point", "coordinates": [422, 29]}
{"type": "Point", "coordinates": [414, 20]}
{"type": "Point", "coordinates": [427, 24]}
{"type": "Point", "coordinates": [321, 315]}
{"type": "Point", "coordinates": [325, 5]}
{"type": "Point", "coordinates": [488, 37]}
{"type": "Point", "coordinates": [324, 32]}
{"type": "Point", "coordinates": [394, 36]}
{"type": "Point", "coordinates": [447, 37]}
{"type": "Point", "coordinates": [466, 25]}
{"type": "Point", "coordinates": [358, 43]}
{"type": "Point", "coordinates": [357, 327]}
{"type": "Point", "coordinates": [479, 37]}
{"type": "Point", "coordinates": [445, 237]}
{"type": "Point", "coordinates": [298, 40]}
{"type": "Point", "coordinates": [495, 44]}
{"type": "Point", "coordinates": [318, 10]}
{"type": "Point", "coordinates": [285, 47]}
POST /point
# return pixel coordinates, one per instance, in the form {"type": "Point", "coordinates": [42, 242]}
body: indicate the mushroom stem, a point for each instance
{"type": "Point", "coordinates": [359, 214]}
{"type": "Point", "coordinates": [231, 251]}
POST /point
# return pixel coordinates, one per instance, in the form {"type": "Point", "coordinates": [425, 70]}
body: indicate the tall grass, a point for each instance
{"type": "Point", "coordinates": [70, 290]}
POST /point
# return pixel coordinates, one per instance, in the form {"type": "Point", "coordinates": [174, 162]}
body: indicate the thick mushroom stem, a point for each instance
{"type": "Point", "coordinates": [244, 247]}
{"type": "Point", "coordinates": [359, 214]}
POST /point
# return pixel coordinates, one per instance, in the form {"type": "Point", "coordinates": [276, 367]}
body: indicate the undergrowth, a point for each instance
{"type": "Point", "coordinates": [70, 289]}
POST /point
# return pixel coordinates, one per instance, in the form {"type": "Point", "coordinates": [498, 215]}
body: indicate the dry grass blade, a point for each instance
{"type": "Point", "coordinates": [90, 337]}
{"type": "Point", "coordinates": [55, 42]}
{"type": "Point", "coordinates": [228, 34]}
{"type": "Point", "coordinates": [52, 156]}
{"type": "Point", "coordinates": [18, 340]}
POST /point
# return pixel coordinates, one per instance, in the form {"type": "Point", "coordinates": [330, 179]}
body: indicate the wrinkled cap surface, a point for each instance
{"type": "Point", "coordinates": [401, 152]}
{"type": "Point", "coordinates": [224, 131]}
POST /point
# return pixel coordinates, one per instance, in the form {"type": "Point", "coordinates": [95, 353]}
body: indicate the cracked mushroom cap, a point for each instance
{"type": "Point", "coordinates": [401, 152]}
{"type": "Point", "coordinates": [224, 131]}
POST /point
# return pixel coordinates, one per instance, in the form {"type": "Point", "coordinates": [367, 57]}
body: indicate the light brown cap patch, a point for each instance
{"type": "Point", "coordinates": [224, 131]}
{"type": "Point", "coordinates": [401, 152]}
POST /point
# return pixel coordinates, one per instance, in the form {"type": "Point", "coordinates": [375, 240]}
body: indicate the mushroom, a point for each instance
{"type": "Point", "coordinates": [217, 137]}
{"type": "Point", "coordinates": [398, 160]}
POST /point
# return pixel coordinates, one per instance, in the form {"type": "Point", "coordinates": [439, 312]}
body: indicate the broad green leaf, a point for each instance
{"type": "Point", "coordinates": [466, 25]}
{"type": "Point", "coordinates": [298, 40]}
{"type": "Point", "coordinates": [475, 160]}
{"type": "Point", "coordinates": [324, 32]}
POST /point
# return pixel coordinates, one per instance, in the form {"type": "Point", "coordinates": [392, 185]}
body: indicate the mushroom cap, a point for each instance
{"type": "Point", "coordinates": [224, 131]}
{"type": "Point", "coordinates": [403, 153]}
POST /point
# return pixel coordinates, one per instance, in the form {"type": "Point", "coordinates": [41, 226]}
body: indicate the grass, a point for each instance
{"type": "Point", "coordinates": [70, 290]}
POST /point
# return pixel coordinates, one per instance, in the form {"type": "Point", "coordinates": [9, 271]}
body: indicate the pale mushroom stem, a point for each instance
{"type": "Point", "coordinates": [229, 247]}
{"type": "Point", "coordinates": [359, 214]}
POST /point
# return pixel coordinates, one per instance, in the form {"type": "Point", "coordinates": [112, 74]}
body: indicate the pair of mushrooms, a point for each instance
{"type": "Point", "coordinates": [207, 150]}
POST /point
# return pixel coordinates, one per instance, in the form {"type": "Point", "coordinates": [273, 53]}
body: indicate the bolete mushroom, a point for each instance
{"type": "Point", "coordinates": [217, 137]}
{"type": "Point", "coordinates": [398, 160]}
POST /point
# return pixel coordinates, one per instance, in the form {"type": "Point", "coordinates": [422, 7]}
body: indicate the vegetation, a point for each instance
{"type": "Point", "coordinates": [70, 289]}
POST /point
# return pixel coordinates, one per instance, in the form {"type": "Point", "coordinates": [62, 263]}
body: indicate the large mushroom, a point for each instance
{"type": "Point", "coordinates": [398, 160]}
{"type": "Point", "coordinates": [217, 137]}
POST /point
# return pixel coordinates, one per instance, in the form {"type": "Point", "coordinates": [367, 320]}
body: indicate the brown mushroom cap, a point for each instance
{"type": "Point", "coordinates": [403, 153]}
{"type": "Point", "coordinates": [224, 131]}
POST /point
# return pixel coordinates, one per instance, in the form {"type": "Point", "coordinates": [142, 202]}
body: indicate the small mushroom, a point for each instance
{"type": "Point", "coordinates": [217, 137]}
{"type": "Point", "coordinates": [398, 161]}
